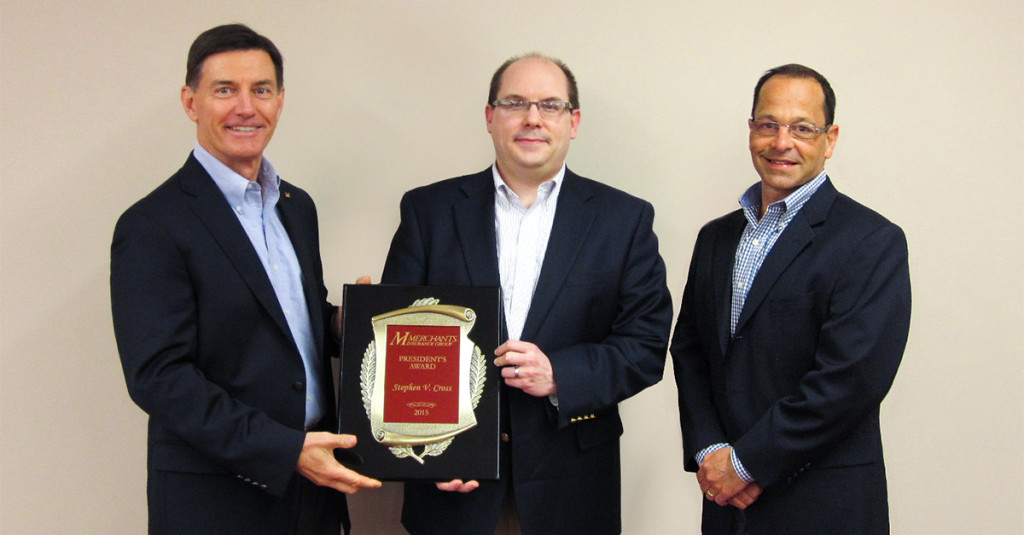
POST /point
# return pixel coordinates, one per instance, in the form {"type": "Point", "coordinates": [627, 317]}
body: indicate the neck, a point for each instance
{"type": "Point", "coordinates": [526, 184]}
{"type": "Point", "coordinates": [248, 171]}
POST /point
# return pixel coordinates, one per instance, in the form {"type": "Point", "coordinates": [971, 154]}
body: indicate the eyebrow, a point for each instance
{"type": "Point", "coordinates": [773, 118]}
{"type": "Point", "coordinates": [520, 97]}
{"type": "Point", "coordinates": [232, 82]}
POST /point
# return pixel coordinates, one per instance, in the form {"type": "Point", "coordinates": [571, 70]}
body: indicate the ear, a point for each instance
{"type": "Point", "coordinates": [575, 120]}
{"type": "Point", "coordinates": [489, 116]}
{"type": "Point", "coordinates": [188, 101]}
{"type": "Point", "coordinates": [831, 137]}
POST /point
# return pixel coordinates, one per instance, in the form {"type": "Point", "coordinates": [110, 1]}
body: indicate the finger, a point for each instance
{"type": "Point", "coordinates": [346, 441]}
{"type": "Point", "coordinates": [739, 504]}
{"type": "Point", "coordinates": [512, 372]}
{"type": "Point", "coordinates": [468, 486]}
{"type": "Point", "coordinates": [450, 486]}
{"type": "Point", "coordinates": [349, 481]}
{"type": "Point", "coordinates": [365, 279]}
{"type": "Point", "coordinates": [457, 485]}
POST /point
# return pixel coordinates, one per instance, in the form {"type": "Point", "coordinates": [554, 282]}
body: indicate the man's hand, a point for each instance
{"type": "Point", "coordinates": [317, 463]}
{"type": "Point", "coordinates": [456, 485]}
{"type": "Point", "coordinates": [336, 325]}
{"type": "Point", "coordinates": [746, 496]}
{"type": "Point", "coordinates": [526, 367]}
{"type": "Point", "coordinates": [718, 479]}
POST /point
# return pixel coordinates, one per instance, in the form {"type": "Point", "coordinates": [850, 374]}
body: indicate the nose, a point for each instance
{"type": "Point", "coordinates": [532, 116]}
{"type": "Point", "coordinates": [783, 140]}
{"type": "Point", "coordinates": [243, 103]}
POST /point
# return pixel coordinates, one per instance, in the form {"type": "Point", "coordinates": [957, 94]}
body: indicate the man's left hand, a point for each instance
{"type": "Point", "coordinates": [526, 367]}
{"type": "Point", "coordinates": [717, 477]}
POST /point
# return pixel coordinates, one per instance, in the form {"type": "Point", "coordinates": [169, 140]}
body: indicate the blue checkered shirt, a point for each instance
{"type": "Point", "coordinates": [757, 241]}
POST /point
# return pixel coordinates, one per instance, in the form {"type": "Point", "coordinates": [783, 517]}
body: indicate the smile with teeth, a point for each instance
{"type": "Point", "coordinates": [243, 128]}
{"type": "Point", "coordinates": [780, 162]}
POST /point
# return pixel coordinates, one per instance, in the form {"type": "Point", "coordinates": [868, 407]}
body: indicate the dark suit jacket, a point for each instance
{"type": "Point", "coordinates": [207, 353]}
{"type": "Point", "coordinates": [797, 390]}
{"type": "Point", "coordinates": [601, 312]}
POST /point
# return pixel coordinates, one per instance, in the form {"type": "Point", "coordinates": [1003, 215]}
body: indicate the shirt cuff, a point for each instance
{"type": "Point", "coordinates": [738, 466]}
{"type": "Point", "coordinates": [704, 452]}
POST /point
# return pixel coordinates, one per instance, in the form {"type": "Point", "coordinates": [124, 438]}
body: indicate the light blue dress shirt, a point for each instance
{"type": "Point", "coordinates": [255, 204]}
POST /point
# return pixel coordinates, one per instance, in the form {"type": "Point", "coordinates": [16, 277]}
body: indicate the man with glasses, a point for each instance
{"type": "Point", "coordinates": [587, 311]}
{"type": "Point", "coordinates": [793, 324]}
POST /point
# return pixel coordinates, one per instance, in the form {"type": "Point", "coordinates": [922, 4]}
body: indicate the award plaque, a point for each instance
{"type": "Point", "coordinates": [418, 386]}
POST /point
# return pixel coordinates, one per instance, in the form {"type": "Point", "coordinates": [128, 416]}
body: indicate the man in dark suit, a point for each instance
{"type": "Point", "coordinates": [222, 320]}
{"type": "Point", "coordinates": [587, 311]}
{"type": "Point", "coordinates": [793, 324]}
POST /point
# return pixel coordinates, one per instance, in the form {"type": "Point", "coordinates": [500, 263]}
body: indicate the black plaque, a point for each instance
{"type": "Point", "coordinates": [418, 385]}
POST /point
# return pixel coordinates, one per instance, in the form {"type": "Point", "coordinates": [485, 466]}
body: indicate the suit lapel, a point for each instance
{"type": "Point", "coordinates": [474, 228]}
{"type": "Point", "coordinates": [211, 208]}
{"type": "Point", "coordinates": [299, 236]}
{"type": "Point", "coordinates": [568, 234]}
{"type": "Point", "coordinates": [724, 257]}
{"type": "Point", "coordinates": [797, 236]}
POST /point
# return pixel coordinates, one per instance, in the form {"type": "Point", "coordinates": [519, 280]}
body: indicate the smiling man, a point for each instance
{"type": "Point", "coordinates": [586, 309]}
{"type": "Point", "coordinates": [793, 324]}
{"type": "Point", "coordinates": [222, 320]}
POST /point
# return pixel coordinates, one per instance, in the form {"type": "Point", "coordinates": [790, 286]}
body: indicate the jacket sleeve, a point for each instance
{"type": "Point", "coordinates": [594, 376]}
{"type": "Point", "coordinates": [155, 315]}
{"type": "Point", "coordinates": [698, 418]}
{"type": "Point", "coordinates": [858, 349]}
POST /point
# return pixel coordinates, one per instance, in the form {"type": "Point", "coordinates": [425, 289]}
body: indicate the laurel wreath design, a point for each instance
{"type": "Point", "coordinates": [368, 374]}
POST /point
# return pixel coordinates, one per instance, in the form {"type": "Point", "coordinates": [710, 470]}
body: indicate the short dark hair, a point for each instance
{"type": "Point", "coordinates": [574, 92]}
{"type": "Point", "coordinates": [794, 70]}
{"type": "Point", "coordinates": [227, 38]}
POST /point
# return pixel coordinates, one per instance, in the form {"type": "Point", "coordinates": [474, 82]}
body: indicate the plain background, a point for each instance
{"type": "Point", "coordinates": [386, 95]}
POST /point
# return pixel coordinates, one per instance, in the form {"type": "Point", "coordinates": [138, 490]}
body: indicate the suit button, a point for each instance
{"type": "Point", "coordinates": [298, 386]}
{"type": "Point", "coordinates": [505, 437]}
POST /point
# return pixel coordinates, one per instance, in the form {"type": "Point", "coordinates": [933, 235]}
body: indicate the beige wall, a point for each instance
{"type": "Point", "coordinates": [386, 95]}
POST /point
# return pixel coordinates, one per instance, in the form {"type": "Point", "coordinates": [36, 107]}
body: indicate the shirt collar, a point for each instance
{"type": "Point", "coordinates": [546, 191]}
{"type": "Point", "coordinates": [234, 185]}
{"type": "Point", "coordinates": [750, 201]}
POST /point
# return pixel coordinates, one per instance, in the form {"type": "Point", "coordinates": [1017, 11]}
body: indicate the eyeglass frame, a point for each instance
{"type": "Point", "coordinates": [502, 103]}
{"type": "Point", "coordinates": [818, 130]}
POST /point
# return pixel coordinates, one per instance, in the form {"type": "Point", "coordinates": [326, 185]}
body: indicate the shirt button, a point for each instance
{"type": "Point", "coordinates": [505, 437]}
{"type": "Point", "coordinates": [298, 386]}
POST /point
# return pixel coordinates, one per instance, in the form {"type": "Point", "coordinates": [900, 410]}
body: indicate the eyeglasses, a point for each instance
{"type": "Point", "coordinates": [803, 131]}
{"type": "Point", "coordinates": [547, 108]}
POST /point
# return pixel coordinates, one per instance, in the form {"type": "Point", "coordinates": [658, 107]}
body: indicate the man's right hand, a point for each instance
{"type": "Point", "coordinates": [317, 463]}
{"type": "Point", "coordinates": [745, 497]}
{"type": "Point", "coordinates": [457, 485]}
